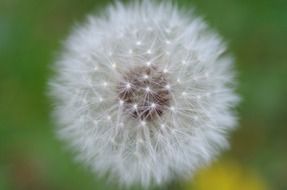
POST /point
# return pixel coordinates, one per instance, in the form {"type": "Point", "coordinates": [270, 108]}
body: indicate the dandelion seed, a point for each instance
{"type": "Point", "coordinates": [167, 86]}
{"type": "Point", "coordinates": [147, 89]}
{"type": "Point", "coordinates": [145, 76]}
{"type": "Point", "coordinates": [143, 123]}
{"type": "Point", "coordinates": [150, 112]}
{"type": "Point", "coordinates": [183, 93]}
{"type": "Point", "coordinates": [128, 85]}
{"type": "Point", "coordinates": [172, 109]}
{"type": "Point", "coordinates": [105, 84]}
{"type": "Point", "coordinates": [121, 102]}
{"type": "Point", "coordinates": [148, 63]}
{"type": "Point", "coordinates": [148, 51]}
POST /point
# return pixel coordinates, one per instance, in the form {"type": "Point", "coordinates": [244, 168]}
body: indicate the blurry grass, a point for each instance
{"type": "Point", "coordinates": [30, 35]}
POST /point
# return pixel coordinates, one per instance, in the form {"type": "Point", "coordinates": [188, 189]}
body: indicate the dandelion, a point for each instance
{"type": "Point", "coordinates": [144, 93]}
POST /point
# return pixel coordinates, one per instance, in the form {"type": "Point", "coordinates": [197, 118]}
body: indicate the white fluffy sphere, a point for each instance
{"type": "Point", "coordinates": [144, 93]}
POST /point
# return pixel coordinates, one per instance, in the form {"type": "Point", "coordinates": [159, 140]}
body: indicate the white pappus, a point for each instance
{"type": "Point", "coordinates": [144, 93]}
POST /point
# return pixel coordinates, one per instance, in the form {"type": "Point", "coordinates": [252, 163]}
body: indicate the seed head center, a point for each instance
{"type": "Point", "coordinates": [144, 93]}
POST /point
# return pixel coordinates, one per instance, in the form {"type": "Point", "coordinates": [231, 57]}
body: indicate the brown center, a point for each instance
{"type": "Point", "coordinates": [144, 92]}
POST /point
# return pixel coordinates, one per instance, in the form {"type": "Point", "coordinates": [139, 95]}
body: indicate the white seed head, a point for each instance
{"type": "Point", "coordinates": [157, 90]}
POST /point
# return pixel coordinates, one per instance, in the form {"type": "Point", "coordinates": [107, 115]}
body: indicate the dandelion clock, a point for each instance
{"type": "Point", "coordinates": [144, 93]}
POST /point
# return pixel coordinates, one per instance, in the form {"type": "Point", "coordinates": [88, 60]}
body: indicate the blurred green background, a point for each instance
{"type": "Point", "coordinates": [31, 157]}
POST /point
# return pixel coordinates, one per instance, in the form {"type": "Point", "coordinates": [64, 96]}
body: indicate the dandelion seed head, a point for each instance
{"type": "Point", "coordinates": [146, 89]}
